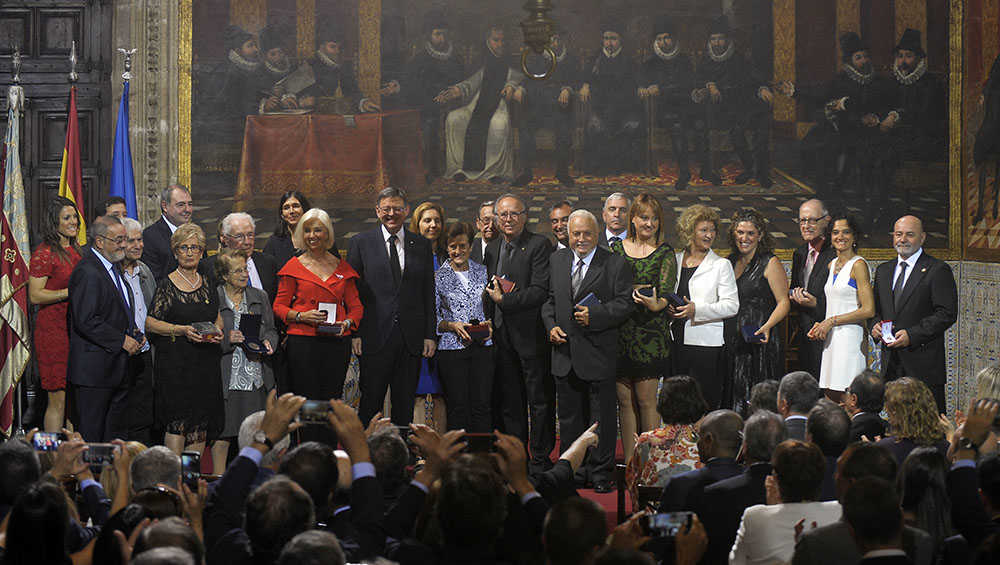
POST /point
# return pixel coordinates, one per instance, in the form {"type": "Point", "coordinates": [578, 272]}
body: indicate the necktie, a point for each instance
{"type": "Point", "coordinates": [614, 239]}
{"type": "Point", "coordinates": [577, 278]}
{"type": "Point", "coordinates": [897, 289]}
{"type": "Point", "coordinates": [810, 263]}
{"type": "Point", "coordinates": [506, 252]}
{"type": "Point", "coordinates": [397, 273]}
{"type": "Point", "coordinates": [121, 284]}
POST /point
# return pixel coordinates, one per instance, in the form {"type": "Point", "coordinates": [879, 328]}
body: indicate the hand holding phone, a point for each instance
{"type": "Point", "coordinates": [191, 469]}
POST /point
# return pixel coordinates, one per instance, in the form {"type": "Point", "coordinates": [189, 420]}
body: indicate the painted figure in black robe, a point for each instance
{"type": "Point", "coordinates": [987, 146]}
{"type": "Point", "coordinates": [275, 65]}
{"type": "Point", "coordinates": [331, 71]}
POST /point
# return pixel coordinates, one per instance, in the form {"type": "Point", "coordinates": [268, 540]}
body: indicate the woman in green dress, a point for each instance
{"type": "Point", "coordinates": [644, 339]}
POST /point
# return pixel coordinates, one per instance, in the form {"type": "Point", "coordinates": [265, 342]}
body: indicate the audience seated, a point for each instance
{"type": "Point", "coordinates": [829, 428]}
{"type": "Point", "coordinates": [38, 527]}
{"type": "Point", "coordinates": [925, 503]}
{"type": "Point", "coordinates": [156, 466]}
{"type": "Point", "coordinates": [165, 556]}
{"type": "Point", "coordinates": [107, 550]}
{"type": "Point", "coordinates": [763, 396]}
{"type": "Point", "coordinates": [871, 510]}
{"type": "Point", "coordinates": [171, 532]}
{"type": "Point", "coordinates": [863, 401]}
{"type": "Point", "coordinates": [718, 440]}
{"type": "Point", "coordinates": [913, 418]}
{"type": "Point", "coordinates": [574, 533]}
{"type": "Point", "coordinates": [19, 469]}
{"type": "Point", "coordinates": [798, 392]}
{"type": "Point", "coordinates": [390, 456]}
{"type": "Point", "coordinates": [313, 547]}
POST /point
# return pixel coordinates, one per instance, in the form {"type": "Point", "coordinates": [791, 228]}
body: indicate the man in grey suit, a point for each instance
{"type": "Point", "coordinates": [585, 339]}
{"type": "Point", "coordinates": [139, 371]}
{"type": "Point", "coordinates": [798, 392]}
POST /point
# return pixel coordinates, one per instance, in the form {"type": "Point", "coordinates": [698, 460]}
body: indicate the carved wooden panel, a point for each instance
{"type": "Point", "coordinates": [15, 29]}
{"type": "Point", "coordinates": [52, 137]}
{"type": "Point", "coordinates": [57, 29]}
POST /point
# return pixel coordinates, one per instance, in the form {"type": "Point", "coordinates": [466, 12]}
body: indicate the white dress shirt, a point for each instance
{"type": "Point", "coordinates": [172, 227]}
{"type": "Point", "coordinates": [620, 236]}
{"type": "Point", "coordinates": [911, 263]}
{"type": "Point", "coordinates": [767, 532]}
{"type": "Point", "coordinates": [253, 274]}
{"type": "Point", "coordinates": [108, 265]}
{"type": "Point", "coordinates": [586, 263]}
{"type": "Point", "coordinates": [138, 301]}
{"type": "Point", "coordinates": [399, 246]}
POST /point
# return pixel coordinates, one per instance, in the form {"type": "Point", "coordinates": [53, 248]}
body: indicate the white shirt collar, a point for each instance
{"type": "Point", "coordinates": [911, 260]}
{"type": "Point", "coordinates": [399, 234]}
{"type": "Point", "coordinates": [104, 260]}
{"type": "Point", "coordinates": [172, 227]}
{"type": "Point", "coordinates": [796, 417]}
{"type": "Point", "coordinates": [609, 235]}
{"type": "Point", "coordinates": [587, 259]}
{"type": "Point", "coordinates": [884, 553]}
{"type": "Point", "coordinates": [559, 245]}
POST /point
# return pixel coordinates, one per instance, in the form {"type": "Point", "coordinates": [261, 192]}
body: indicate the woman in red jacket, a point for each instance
{"type": "Point", "coordinates": [310, 286]}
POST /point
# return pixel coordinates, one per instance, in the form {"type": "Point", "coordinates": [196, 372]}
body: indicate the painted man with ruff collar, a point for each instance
{"type": "Point", "coordinates": [612, 143]}
{"type": "Point", "coordinates": [735, 99]}
{"type": "Point", "coordinates": [331, 70]}
{"type": "Point", "coordinates": [242, 82]}
{"type": "Point", "coordinates": [668, 78]}
{"type": "Point", "coordinates": [276, 65]}
{"type": "Point", "coordinates": [548, 103]}
{"type": "Point", "coordinates": [479, 138]}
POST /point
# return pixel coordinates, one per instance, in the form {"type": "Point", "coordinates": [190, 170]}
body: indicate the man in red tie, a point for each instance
{"type": "Point", "coordinates": [810, 269]}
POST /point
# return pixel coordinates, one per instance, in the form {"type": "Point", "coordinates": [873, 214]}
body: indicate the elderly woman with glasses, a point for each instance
{"type": "Point", "coordinates": [185, 321]}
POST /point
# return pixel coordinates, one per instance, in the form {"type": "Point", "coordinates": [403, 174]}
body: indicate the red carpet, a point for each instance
{"type": "Point", "coordinates": [607, 501]}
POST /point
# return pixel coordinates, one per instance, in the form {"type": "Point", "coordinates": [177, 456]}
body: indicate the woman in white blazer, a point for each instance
{"type": "Point", "coordinates": [707, 285]}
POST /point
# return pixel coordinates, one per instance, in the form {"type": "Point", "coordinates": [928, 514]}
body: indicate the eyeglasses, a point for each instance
{"type": "Point", "coordinates": [509, 215]}
{"type": "Point", "coordinates": [190, 248]}
{"type": "Point", "coordinates": [392, 209]}
{"type": "Point", "coordinates": [239, 271]}
{"type": "Point", "coordinates": [809, 221]}
{"type": "Point", "coordinates": [118, 240]}
{"type": "Point", "coordinates": [241, 236]}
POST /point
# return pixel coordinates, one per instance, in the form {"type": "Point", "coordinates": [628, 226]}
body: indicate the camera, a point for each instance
{"type": "Point", "coordinates": [665, 524]}
{"type": "Point", "coordinates": [481, 443]}
{"type": "Point", "coordinates": [314, 412]}
{"type": "Point", "coordinates": [191, 469]}
{"type": "Point", "coordinates": [99, 453]}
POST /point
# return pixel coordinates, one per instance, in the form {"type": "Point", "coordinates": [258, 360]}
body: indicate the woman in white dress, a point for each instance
{"type": "Point", "coordinates": [849, 303]}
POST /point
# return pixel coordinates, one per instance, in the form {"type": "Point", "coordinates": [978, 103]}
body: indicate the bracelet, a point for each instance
{"type": "Point", "coordinates": [297, 314]}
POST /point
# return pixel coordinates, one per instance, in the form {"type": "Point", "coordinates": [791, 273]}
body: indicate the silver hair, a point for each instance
{"type": "Point", "coordinates": [581, 213]}
{"type": "Point", "coordinates": [507, 195]}
{"type": "Point", "coordinates": [390, 192]}
{"type": "Point", "coordinates": [131, 224]}
{"type": "Point", "coordinates": [822, 205]}
{"type": "Point", "coordinates": [156, 465]}
{"type": "Point", "coordinates": [250, 425]}
{"type": "Point", "coordinates": [100, 227]}
{"type": "Point", "coordinates": [166, 193]}
{"type": "Point", "coordinates": [227, 222]}
{"type": "Point", "coordinates": [615, 195]}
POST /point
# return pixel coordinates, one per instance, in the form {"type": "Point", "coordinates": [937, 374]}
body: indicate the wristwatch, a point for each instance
{"type": "Point", "coordinates": [260, 437]}
{"type": "Point", "coordinates": [967, 443]}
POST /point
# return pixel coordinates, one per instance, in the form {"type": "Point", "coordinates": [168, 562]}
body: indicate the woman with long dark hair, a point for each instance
{"type": "Point", "coordinates": [291, 206]}
{"type": "Point", "coordinates": [923, 493]}
{"type": "Point", "coordinates": [37, 527]}
{"type": "Point", "coordinates": [48, 286]}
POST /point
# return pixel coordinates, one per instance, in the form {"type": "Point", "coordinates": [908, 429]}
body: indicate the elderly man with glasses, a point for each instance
{"type": "Point", "coordinates": [810, 269]}
{"type": "Point", "coordinates": [238, 231]}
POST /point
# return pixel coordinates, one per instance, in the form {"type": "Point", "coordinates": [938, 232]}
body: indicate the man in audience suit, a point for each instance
{"type": "Point", "coordinates": [559, 221]}
{"type": "Point", "coordinates": [239, 231]}
{"type": "Point", "coordinates": [176, 207]}
{"type": "Point", "coordinates": [832, 544]}
{"type": "Point", "coordinates": [871, 508]}
{"type": "Point", "coordinates": [522, 356]}
{"type": "Point", "coordinates": [863, 401]}
{"type": "Point", "coordinates": [723, 503]}
{"type": "Point", "coordinates": [718, 444]}
{"type": "Point", "coordinates": [101, 333]}
{"type": "Point", "coordinates": [798, 392]}
{"type": "Point", "coordinates": [486, 224]}
{"type": "Point", "coordinates": [810, 269]}
{"type": "Point", "coordinates": [397, 291]}
{"type": "Point", "coordinates": [585, 339]}
{"type": "Point", "coordinates": [918, 293]}
{"type": "Point", "coordinates": [975, 492]}
{"type": "Point", "coordinates": [830, 429]}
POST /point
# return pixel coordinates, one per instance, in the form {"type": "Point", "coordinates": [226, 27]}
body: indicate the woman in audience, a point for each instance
{"type": "Point", "coordinates": [319, 344]}
{"type": "Point", "coordinates": [280, 245]}
{"type": "Point", "coordinates": [428, 221]}
{"type": "Point", "coordinates": [758, 352]}
{"type": "Point", "coordinates": [246, 372]}
{"type": "Point", "coordinates": [850, 301]}
{"type": "Point", "coordinates": [923, 494]}
{"type": "Point", "coordinates": [707, 288]}
{"type": "Point", "coordinates": [465, 363]}
{"type": "Point", "coordinates": [37, 527]}
{"type": "Point", "coordinates": [913, 419]}
{"type": "Point", "coordinates": [186, 323]}
{"type": "Point", "coordinates": [644, 339]}
{"type": "Point", "coordinates": [659, 454]}
{"type": "Point", "coordinates": [48, 287]}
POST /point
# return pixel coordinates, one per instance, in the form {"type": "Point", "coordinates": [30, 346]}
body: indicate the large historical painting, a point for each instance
{"type": "Point", "coordinates": [981, 136]}
{"type": "Point", "coordinates": [757, 103]}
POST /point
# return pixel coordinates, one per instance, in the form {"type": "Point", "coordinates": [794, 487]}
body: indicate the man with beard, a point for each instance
{"type": "Point", "coordinates": [559, 219]}
{"type": "Point", "coordinates": [668, 78]}
{"type": "Point", "coordinates": [479, 139]}
{"type": "Point", "coordinates": [734, 99]}
{"type": "Point", "coordinates": [242, 83]}
{"type": "Point", "coordinates": [612, 141]}
{"type": "Point", "coordinates": [331, 72]}
{"type": "Point", "coordinates": [434, 68]}
{"type": "Point", "coordinates": [276, 66]}
{"type": "Point", "coordinates": [548, 103]}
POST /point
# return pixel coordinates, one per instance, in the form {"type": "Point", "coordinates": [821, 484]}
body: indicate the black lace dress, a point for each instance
{"type": "Point", "coordinates": [753, 363]}
{"type": "Point", "coordinates": [188, 375]}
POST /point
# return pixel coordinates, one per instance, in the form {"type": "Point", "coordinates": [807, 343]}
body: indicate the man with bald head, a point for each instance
{"type": "Point", "coordinates": [720, 435]}
{"type": "Point", "coordinates": [917, 293]}
{"type": "Point", "coordinates": [810, 269]}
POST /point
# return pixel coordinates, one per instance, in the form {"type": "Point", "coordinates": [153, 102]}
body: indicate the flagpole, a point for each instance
{"type": "Point", "coordinates": [18, 431]}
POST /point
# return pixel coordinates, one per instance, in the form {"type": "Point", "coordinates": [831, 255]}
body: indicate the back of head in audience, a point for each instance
{"type": "Point", "coordinates": [315, 547]}
{"type": "Point", "coordinates": [575, 529]}
{"type": "Point", "coordinates": [871, 509]}
{"type": "Point", "coordinates": [248, 427]}
{"type": "Point", "coordinates": [912, 411]}
{"type": "Point", "coordinates": [988, 383]}
{"type": "Point", "coordinates": [471, 505]}
{"type": "Point", "coordinates": [868, 389]}
{"type": "Point", "coordinates": [159, 502]}
{"type": "Point", "coordinates": [36, 531]}
{"type": "Point", "coordinates": [171, 532]}
{"type": "Point", "coordinates": [797, 393]}
{"type": "Point", "coordinates": [106, 548]}
{"type": "Point", "coordinates": [763, 431]}
{"type": "Point", "coordinates": [623, 556]}
{"type": "Point", "coordinates": [680, 400]}
{"type": "Point", "coordinates": [277, 511]}
{"type": "Point", "coordinates": [989, 483]}
{"type": "Point", "coordinates": [764, 396]}
{"type": "Point", "coordinates": [798, 468]}
{"type": "Point", "coordinates": [19, 468]}
{"type": "Point", "coordinates": [313, 466]}
{"type": "Point", "coordinates": [390, 456]}
{"type": "Point", "coordinates": [923, 490]}
{"type": "Point", "coordinates": [157, 465]}
{"type": "Point", "coordinates": [720, 434]}
{"type": "Point", "coordinates": [165, 556]}
{"type": "Point", "coordinates": [829, 427]}
{"type": "Point", "coordinates": [862, 460]}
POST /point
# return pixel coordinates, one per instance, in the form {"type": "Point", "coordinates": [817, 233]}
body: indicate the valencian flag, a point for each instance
{"type": "Point", "coordinates": [122, 177]}
{"type": "Point", "coordinates": [71, 178]}
{"type": "Point", "coordinates": [15, 347]}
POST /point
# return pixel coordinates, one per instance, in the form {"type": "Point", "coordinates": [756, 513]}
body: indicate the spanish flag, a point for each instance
{"type": "Point", "coordinates": [71, 178]}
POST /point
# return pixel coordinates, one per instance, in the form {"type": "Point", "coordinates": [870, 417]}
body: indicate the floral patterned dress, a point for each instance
{"type": "Point", "coordinates": [644, 338]}
{"type": "Point", "coordinates": [661, 454]}
{"type": "Point", "coordinates": [51, 331]}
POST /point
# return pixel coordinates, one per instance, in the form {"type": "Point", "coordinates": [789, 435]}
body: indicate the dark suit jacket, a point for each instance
{"type": "Point", "coordinates": [867, 424]}
{"type": "Point", "coordinates": [156, 251]}
{"type": "Point", "coordinates": [266, 266]}
{"type": "Point", "coordinates": [528, 268]}
{"type": "Point", "coordinates": [98, 321]}
{"type": "Point", "coordinates": [833, 545]}
{"type": "Point", "coordinates": [360, 527]}
{"type": "Point", "coordinates": [477, 250]}
{"type": "Point", "coordinates": [722, 506]}
{"type": "Point", "coordinates": [602, 237]}
{"type": "Point", "coordinates": [814, 286]}
{"type": "Point", "coordinates": [590, 352]}
{"type": "Point", "coordinates": [828, 490]}
{"type": "Point", "coordinates": [412, 304]}
{"type": "Point", "coordinates": [887, 560]}
{"type": "Point", "coordinates": [967, 512]}
{"type": "Point", "coordinates": [796, 428]}
{"type": "Point", "coordinates": [928, 307]}
{"type": "Point", "coordinates": [684, 491]}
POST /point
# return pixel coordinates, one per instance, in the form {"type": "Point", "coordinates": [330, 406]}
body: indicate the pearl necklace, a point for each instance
{"type": "Point", "coordinates": [192, 285]}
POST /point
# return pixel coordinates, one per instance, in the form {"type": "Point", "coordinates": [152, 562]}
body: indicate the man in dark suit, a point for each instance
{"type": "Point", "coordinates": [723, 503]}
{"type": "Point", "coordinates": [871, 509]}
{"type": "Point", "coordinates": [798, 392]}
{"type": "Point", "coordinates": [101, 334]}
{"type": "Point", "coordinates": [863, 401]}
{"type": "Point", "coordinates": [615, 216]}
{"type": "Point", "coordinates": [810, 269]}
{"type": "Point", "coordinates": [585, 339]}
{"type": "Point", "coordinates": [239, 232]}
{"type": "Point", "coordinates": [176, 207]}
{"type": "Point", "coordinates": [559, 221]}
{"type": "Point", "coordinates": [522, 375]}
{"type": "Point", "coordinates": [718, 444]}
{"type": "Point", "coordinates": [829, 428]}
{"type": "Point", "coordinates": [486, 224]}
{"type": "Point", "coordinates": [397, 291]}
{"type": "Point", "coordinates": [918, 294]}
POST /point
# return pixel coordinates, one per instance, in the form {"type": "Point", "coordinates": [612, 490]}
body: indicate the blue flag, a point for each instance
{"type": "Point", "coordinates": [122, 178]}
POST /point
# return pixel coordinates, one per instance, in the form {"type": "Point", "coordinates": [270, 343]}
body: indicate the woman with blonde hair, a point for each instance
{"type": "Point", "coordinates": [706, 294]}
{"type": "Point", "coordinates": [428, 221]}
{"type": "Point", "coordinates": [644, 339]}
{"type": "Point", "coordinates": [913, 419]}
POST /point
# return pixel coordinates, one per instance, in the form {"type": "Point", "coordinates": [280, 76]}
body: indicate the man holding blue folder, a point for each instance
{"type": "Point", "coordinates": [590, 292]}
